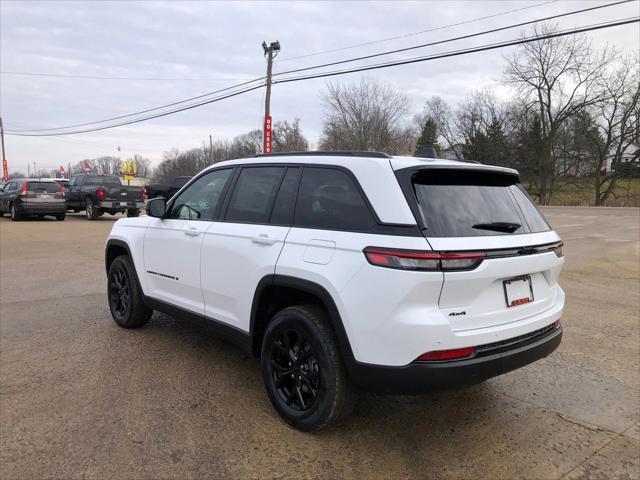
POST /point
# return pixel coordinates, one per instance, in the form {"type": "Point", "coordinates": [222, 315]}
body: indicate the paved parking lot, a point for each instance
{"type": "Point", "coordinates": [82, 398]}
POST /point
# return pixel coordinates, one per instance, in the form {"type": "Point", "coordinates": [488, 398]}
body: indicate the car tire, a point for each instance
{"type": "Point", "coordinates": [133, 212]}
{"type": "Point", "coordinates": [61, 217]}
{"type": "Point", "coordinates": [15, 215]}
{"type": "Point", "coordinates": [90, 209]}
{"type": "Point", "coordinates": [303, 371]}
{"type": "Point", "coordinates": [125, 298]}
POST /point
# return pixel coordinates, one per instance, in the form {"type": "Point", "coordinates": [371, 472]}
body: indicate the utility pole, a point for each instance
{"type": "Point", "coordinates": [5, 168]}
{"type": "Point", "coordinates": [210, 149]}
{"type": "Point", "coordinates": [269, 50]}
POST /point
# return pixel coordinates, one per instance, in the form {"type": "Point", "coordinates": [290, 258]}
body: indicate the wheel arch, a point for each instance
{"type": "Point", "coordinates": [275, 292]}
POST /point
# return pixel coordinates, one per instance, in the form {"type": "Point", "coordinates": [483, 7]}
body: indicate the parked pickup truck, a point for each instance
{"type": "Point", "coordinates": [97, 194]}
{"type": "Point", "coordinates": [167, 191]}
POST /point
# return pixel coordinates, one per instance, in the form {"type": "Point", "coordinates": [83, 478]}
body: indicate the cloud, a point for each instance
{"type": "Point", "coordinates": [221, 40]}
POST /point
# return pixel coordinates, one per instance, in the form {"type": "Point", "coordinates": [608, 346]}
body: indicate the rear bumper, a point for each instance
{"type": "Point", "coordinates": [117, 205]}
{"type": "Point", "coordinates": [423, 377]}
{"type": "Point", "coordinates": [39, 209]}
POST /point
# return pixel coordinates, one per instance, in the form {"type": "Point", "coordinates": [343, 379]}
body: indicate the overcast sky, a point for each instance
{"type": "Point", "coordinates": [213, 45]}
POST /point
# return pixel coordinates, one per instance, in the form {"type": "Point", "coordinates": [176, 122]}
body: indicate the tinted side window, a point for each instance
{"type": "Point", "coordinates": [254, 194]}
{"type": "Point", "coordinates": [200, 200]}
{"type": "Point", "coordinates": [534, 218]}
{"type": "Point", "coordinates": [328, 198]}
{"type": "Point", "coordinates": [285, 201]}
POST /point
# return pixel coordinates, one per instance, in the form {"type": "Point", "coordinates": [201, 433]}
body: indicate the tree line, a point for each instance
{"type": "Point", "coordinates": [562, 111]}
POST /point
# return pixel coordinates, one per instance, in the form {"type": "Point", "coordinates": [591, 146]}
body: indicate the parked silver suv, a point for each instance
{"type": "Point", "coordinates": [32, 196]}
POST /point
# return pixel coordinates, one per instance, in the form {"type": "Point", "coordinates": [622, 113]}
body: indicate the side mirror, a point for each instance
{"type": "Point", "coordinates": [156, 207]}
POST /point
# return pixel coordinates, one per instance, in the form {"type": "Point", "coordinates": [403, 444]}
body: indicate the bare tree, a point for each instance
{"type": "Point", "coordinates": [143, 165]}
{"type": "Point", "coordinates": [615, 126]}
{"type": "Point", "coordinates": [288, 137]}
{"type": "Point", "coordinates": [365, 116]}
{"type": "Point", "coordinates": [557, 77]}
{"type": "Point", "coordinates": [438, 111]}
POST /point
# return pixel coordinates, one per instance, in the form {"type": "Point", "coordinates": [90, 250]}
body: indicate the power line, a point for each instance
{"type": "Point", "coordinates": [246, 90]}
{"type": "Point", "coordinates": [321, 66]}
{"type": "Point", "coordinates": [455, 53]}
{"type": "Point", "coordinates": [466, 22]}
{"type": "Point", "coordinates": [364, 68]}
{"type": "Point", "coordinates": [463, 37]}
{"type": "Point", "coordinates": [96, 77]}
{"type": "Point", "coordinates": [142, 111]}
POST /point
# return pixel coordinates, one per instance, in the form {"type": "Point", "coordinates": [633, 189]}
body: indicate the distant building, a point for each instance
{"type": "Point", "coordinates": [630, 160]}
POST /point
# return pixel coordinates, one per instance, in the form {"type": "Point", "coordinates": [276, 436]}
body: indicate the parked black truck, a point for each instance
{"type": "Point", "coordinates": [97, 194]}
{"type": "Point", "coordinates": [167, 191]}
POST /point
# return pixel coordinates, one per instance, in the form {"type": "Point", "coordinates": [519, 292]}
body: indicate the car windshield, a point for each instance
{"type": "Point", "coordinates": [109, 180]}
{"type": "Point", "coordinates": [42, 187]}
{"type": "Point", "coordinates": [456, 203]}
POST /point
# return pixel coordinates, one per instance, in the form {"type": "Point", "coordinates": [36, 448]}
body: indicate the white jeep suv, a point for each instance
{"type": "Point", "coordinates": [349, 269]}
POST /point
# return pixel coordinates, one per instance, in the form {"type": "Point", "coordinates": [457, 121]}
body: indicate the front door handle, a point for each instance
{"type": "Point", "coordinates": [191, 232]}
{"type": "Point", "coordinates": [264, 239]}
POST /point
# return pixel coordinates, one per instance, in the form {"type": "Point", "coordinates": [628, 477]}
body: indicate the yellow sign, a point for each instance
{"type": "Point", "coordinates": [128, 169]}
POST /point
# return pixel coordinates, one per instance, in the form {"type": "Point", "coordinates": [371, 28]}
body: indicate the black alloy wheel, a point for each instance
{"type": "Point", "coordinates": [302, 369]}
{"type": "Point", "coordinates": [125, 298]}
{"type": "Point", "coordinates": [120, 293]}
{"type": "Point", "coordinates": [295, 370]}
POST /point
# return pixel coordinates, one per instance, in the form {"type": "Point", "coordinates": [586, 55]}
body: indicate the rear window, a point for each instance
{"type": "Point", "coordinates": [457, 203]}
{"type": "Point", "coordinates": [103, 180]}
{"type": "Point", "coordinates": [42, 187]}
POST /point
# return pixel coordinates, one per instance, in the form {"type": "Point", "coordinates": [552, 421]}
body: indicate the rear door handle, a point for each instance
{"type": "Point", "coordinates": [263, 239]}
{"type": "Point", "coordinates": [191, 232]}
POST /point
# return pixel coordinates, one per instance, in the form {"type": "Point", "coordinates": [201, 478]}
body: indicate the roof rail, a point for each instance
{"type": "Point", "coordinates": [464, 160]}
{"type": "Point", "coordinates": [345, 153]}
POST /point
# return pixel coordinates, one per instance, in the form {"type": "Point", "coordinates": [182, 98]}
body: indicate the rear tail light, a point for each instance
{"type": "Point", "coordinates": [61, 188]}
{"type": "Point", "coordinates": [144, 194]}
{"type": "Point", "coordinates": [100, 194]}
{"type": "Point", "coordinates": [442, 355]}
{"type": "Point", "coordinates": [558, 250]}
{"type": "Point", "coordinates": [423, 261]}
{"type": "Point", "coordinates": [23, 191]}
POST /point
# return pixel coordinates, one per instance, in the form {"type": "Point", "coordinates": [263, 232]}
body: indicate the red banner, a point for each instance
{"type": "Point", "coordinates": [86, 166]}
{"type": "Point", "coordinates": [5, 171]}
{"type": "Point", "coordinates": [267, 134]}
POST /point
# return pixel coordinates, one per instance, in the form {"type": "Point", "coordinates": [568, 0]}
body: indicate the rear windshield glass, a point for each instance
{"type": "Point", "coordinates": [457, 203]}
{"type": "Point", "coordinates": [42, 187]}
{"type": "Point", "coordinates": [103, 180]}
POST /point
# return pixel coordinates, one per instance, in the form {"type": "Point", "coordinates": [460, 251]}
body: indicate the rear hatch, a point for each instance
{"type": "Point", "coordinates": [488, 212]}
{"type": "Point", "coordinates": [43, 194]}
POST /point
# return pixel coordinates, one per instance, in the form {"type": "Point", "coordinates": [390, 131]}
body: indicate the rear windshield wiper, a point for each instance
{"type": "Point", "coordinates": [498, 226]}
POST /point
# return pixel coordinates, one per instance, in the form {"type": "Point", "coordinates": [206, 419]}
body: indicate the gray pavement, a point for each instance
{"type": "Point", "coordinates": [82, 398]}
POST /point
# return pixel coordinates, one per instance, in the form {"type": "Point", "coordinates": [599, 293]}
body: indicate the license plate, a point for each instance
{"type": "Point", "coordinates": [123, 204]}
{"type": "Point", "coordinates": [518, 291]}
{"type": "Point", "coordinates": [44, 195]}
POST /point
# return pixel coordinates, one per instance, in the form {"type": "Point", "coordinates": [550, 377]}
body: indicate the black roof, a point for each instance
{"type": "Point", "coordinates": [346, 153]}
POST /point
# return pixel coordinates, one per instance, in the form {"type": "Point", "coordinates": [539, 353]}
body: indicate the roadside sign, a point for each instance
{"type": "Point", "coordinates": [267, 134]}
{"type": "Point", "coordinates": [128, 170]}
{"type": "Point", "coordinates": [5, 170]}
